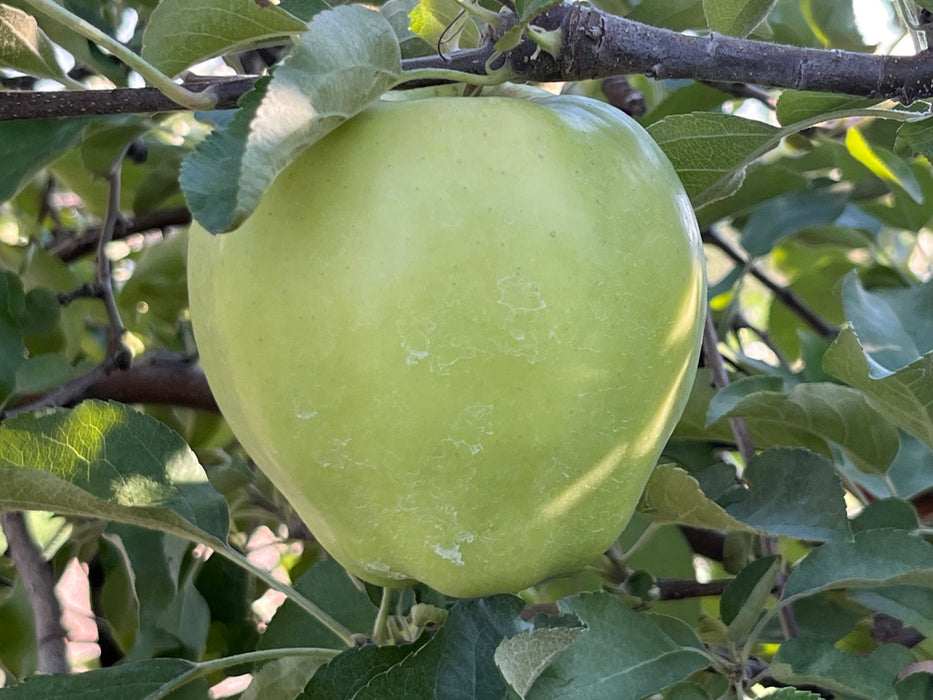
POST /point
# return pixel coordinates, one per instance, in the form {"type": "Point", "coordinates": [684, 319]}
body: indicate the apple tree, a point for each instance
{"type": "Point", "coordinates": [773, 534]}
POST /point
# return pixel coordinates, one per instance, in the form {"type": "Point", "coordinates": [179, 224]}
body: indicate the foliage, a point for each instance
{"type": "Point", "coordinates": [787, 538]}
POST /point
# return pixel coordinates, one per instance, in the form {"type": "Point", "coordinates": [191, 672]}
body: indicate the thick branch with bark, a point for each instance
{"type": "Point", "coordinates": [594, 44]}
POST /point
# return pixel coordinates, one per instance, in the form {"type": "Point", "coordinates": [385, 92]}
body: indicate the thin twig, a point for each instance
{"type": "Point", "coordinates": [39, 582]}
{"type": "Point", "coordinates": [781, 293]}
{"type": "Point", "coordinates": [117, 351]}
{"type": "Point", "coordinates": [717, 368]}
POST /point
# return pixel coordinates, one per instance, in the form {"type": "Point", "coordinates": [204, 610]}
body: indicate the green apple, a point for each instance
{"type": "Point", "coordinates": [457, 333]}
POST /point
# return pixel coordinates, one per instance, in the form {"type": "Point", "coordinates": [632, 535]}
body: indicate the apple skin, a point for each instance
{"type": "Point", "coordinates": [457, 333]}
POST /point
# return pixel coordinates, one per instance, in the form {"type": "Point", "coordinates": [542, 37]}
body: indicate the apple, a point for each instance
{"type": "Point", "coordinates": [457, 333]}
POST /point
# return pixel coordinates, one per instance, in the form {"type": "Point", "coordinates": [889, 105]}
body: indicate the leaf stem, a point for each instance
{"type": "Point", "coordinates": [496, 77]}
{"type": "Point", "coordinates": [152, 75]}
{"type": "Point", "coordinates": [381, 625]}
{"type": "Point", "coordinates": [266, 577]}
{"type": "Point", "coordinates": [208, 667]}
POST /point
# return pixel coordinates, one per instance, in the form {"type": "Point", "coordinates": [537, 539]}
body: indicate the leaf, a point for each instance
{"type": "Point", "coordinates": [671, 14]}
{"type": "Point", "coordinates": [917, 136]}
{"type": "Point", "coordinates": [105, 460]}
{"type": "Point", "coordinates": [347, 58]}
{"type": "Point", "coordinates": [282, 679]}
{"type": "Point", "coordinates": [352, 670]}
{"type": "Point", "coordinates": [763, 181]}
{"type": "Point", "coordinates": [444, 21]}
{"type": "Point", "coordinates": [815, 414]}
{"type": "Point", "coordinates": [736, 17]}
{"type": "Point", "coordinates": [113, 683]}
{"type": "Point", "coordinates": [458, 661]}
{"type": "Point", "coordinates": [798, 105]}
{"type": "Point", "coordinates": [811, 661]}
{"type": "Point", "coordinates": [743, 600]}
{"type": "Point", "coordinates": [522, 658]}
{"type": "Point", "coordinates": [28, 146]}
{"type": "Point", "coordinates": [795, 493]}
{"type": "Point", "coordinates": [911, 605]}
{"type": "Point", "coordinates": [884, 164]}
{"type": "Point", "coordinates": [710, 151]}
{"type": "Point", "coordinates": [529, 9]}
{"type": "Point", "coordinates": [887, 352]}
{"type": "Point", "coordinates": [12, 349]}
{"type": "Point", "coordinates": [181, 33]}
{"type": "Point", "coordinates": [26, 48]}
{"type": "Point", "coordinates": [886, 557]}
{"type": "Point", "coordinates": [674, 495]}
{"type": "Point", "coordinates": [624, 654]}
{"type": "Point", "coordinates": [788, 214]}
{"type": "Point", "coordinates": [904, 396]}
{"type": "Point", "coordinates": [328, 586]}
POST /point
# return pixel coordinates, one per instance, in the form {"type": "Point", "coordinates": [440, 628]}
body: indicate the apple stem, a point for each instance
{"type": "Point", "coordinates": [381, 625]}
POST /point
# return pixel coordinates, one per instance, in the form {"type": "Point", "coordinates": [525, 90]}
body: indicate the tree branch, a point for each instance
{"type": "Point", "coordinates": [595, 45]}
{"type": "Point", "coordinates": [39, 582]}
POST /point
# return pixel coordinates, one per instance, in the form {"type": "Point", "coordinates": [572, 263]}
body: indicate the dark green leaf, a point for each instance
{"type": "Point", "coordinates": [136, 680]}
{"type": "Point", "coordinates": [327, 585]}
{"type": "Point", "coordinates": [888, 512]}
{"type": "Point", "coordinates": [458, 661]}
{"type": "Point", "coordinates": [795, 106]}
{"type": "Point", "coordinates": [352, 670]}
{"type": "Point", "coordinates": [736, 17]}
{"type": "Point", "coordinates": [806, 660]}
{"type": "Point", "coordinates": [789, 214]}
{"type": "Point", "coordinates": [876, 557]}
{"type": "Point", "coordinates": [795, 493]}
{"type": "Point", "coordinates": [622, 654]}
{"type": "Point", "coordinates": [28, 146]}
{"type": "Point", "coordinates": [910, 604]}
{"type": "Point", "coordinates": [744, 599]}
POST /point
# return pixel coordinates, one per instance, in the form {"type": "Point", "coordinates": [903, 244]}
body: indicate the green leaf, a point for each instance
{"type": "Point", "coordinates": [624, 654]}
{"type": "Point", "coordinates": [797, 105]}
{"type": "Point", "coordinates": [353, 669]}
{"type": "Point", "coordinates": [813, 415]}
{"type": "Point", "coordinates": [522, 658]}
{"type": "Point", "coordinates": [911, 605]}
{"type": "Point", "coordinates": [789, 214]}
{"type": "Point", "coordinates": [736, 17]}
{"type": "Point", "coordinates": [876, 557]}
{"type": "Point", "coordinates": [181, 33]}
{"type": "Point", "coordinates": [795, 493]}
{"type": "Point", "coordinates": [904, 396]}
{"type": "Point", "coordinates": [348, 57]}
{"type": "Point", "coordinates": [888, 512]}
{"type": "Point", "coordinates": [671, 14]}
{"type": "Point", "coordinates": [28, 146]}
{"type": "Point", "coordinates": [710, 151]}
{"type": "Point", "coordinates": [887, 352]}
{"type": "Point", "coordinates": [12, 349]}
{"type": "Point", "coordinates": [327, 585]}
{"type": "Point", "coordinates": [884, 164]}
{"type": "Point", "coordinates": [26, 48]}
{"type": "Point", "coordinates": [674, 495]}
{"type": "Point", "coordinates": [743, 601]}
{"type": "Point", "coordinates": [458, 661]}
{"type": "Point", "coordinates": [282, 679]}
{"type": "Point", "coordinates": [763, 181]}
{"type": "Point", "coordinates": [113, 683]}
{"type": "Point", "coordinates": [105, 460]}
{"type": "Point", "coordinates": [434, 20]}
{"type": "Point", "coordinates": [917, 136]}
{"type": "Point", "coordinates": [529, 9]}
{"type": "Point", "coordinates": [812, 661]}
